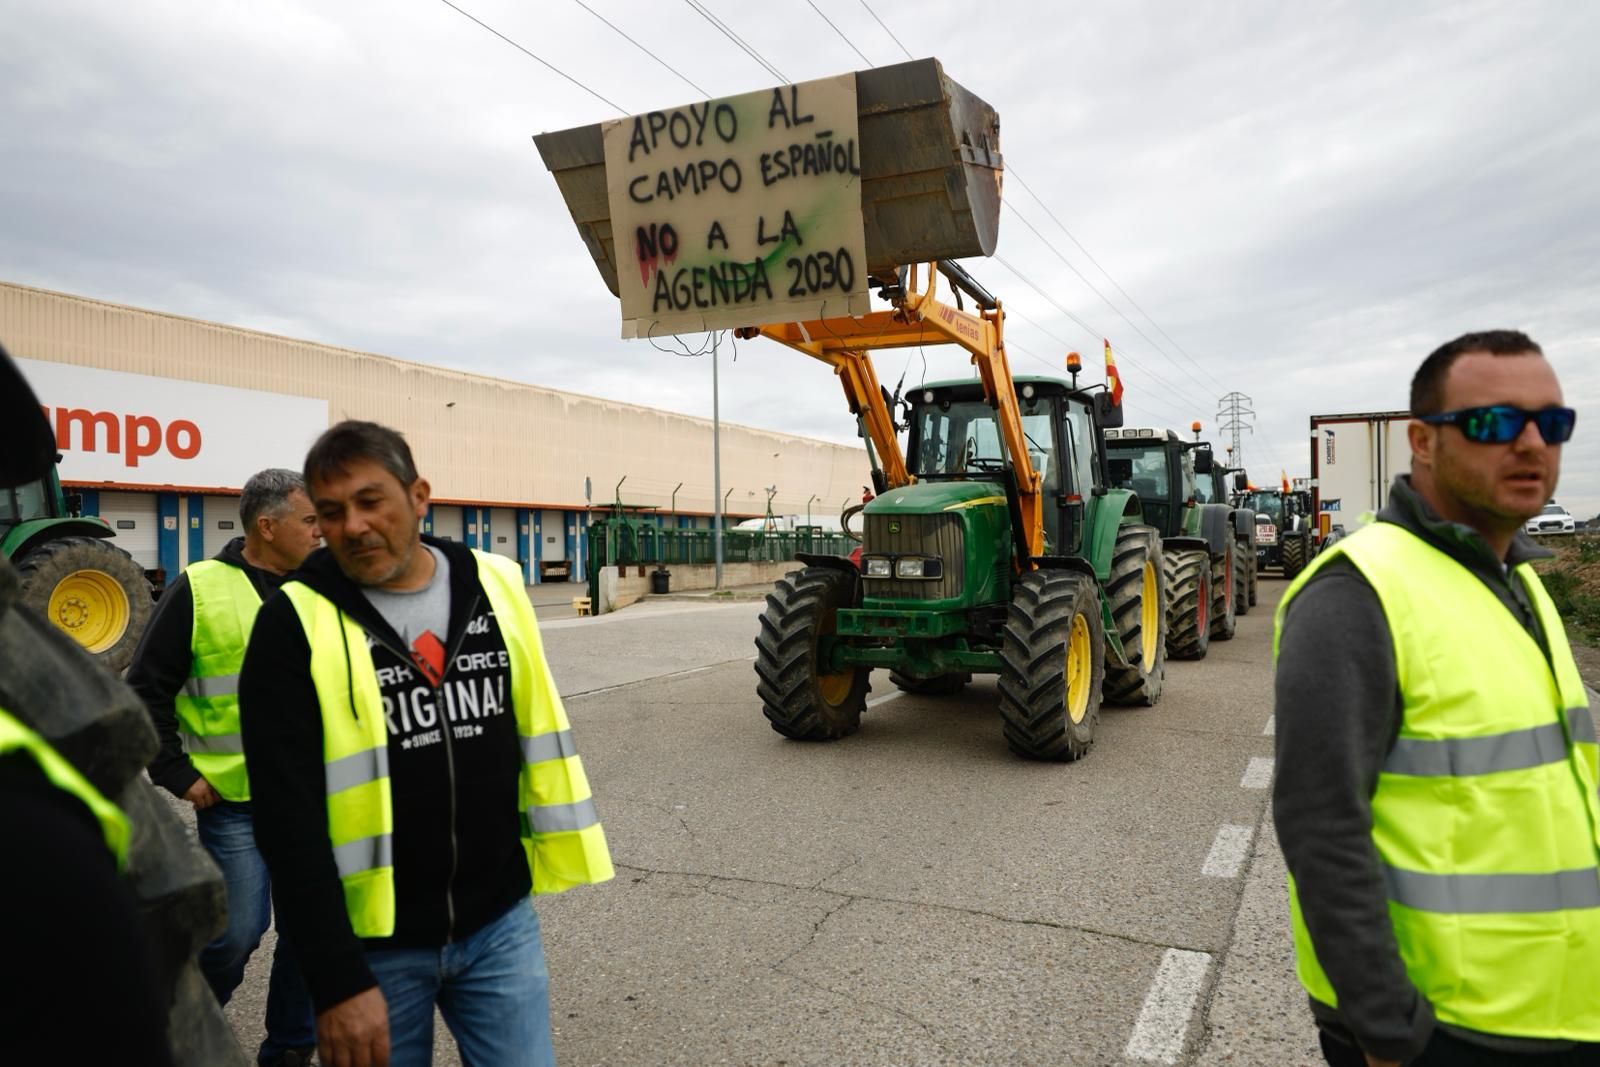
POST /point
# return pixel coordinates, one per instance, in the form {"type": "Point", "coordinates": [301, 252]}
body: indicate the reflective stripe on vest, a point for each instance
{"type": "Point", "coordinates": [562, 835]}
{"type": "Point", "coordinates": [15, 737]}
{"type": "Point", "coordinates": [1486, 816]}
{"type": "Point", "coordinates": [225, 606]}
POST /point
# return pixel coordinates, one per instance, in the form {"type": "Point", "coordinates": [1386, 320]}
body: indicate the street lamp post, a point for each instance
{"type": "Point", "coordinates": [717, 499]}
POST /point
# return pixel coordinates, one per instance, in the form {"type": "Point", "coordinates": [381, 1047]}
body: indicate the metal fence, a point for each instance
{"type": "Point", "coordinates": [614, 541]}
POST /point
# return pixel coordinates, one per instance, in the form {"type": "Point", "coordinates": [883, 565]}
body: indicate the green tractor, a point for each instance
{"type": "Point", "coordinates": [71, 572]}
{"type": "Point", "coordinates": [1202, 556]}
{"type": "Point", "coordinates": [1285, 533]}
{"type": "Point", "coordinates": [1223, 486]}
{"type": "Point", "coordinates": [995, 546]}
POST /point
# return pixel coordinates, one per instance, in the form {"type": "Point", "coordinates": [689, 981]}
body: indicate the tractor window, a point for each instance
{"type": "Point", "coordinates": [23, 504]}
{"type": "Point", "coordinates": [964, 438]}
{"type": "Point", "coordinates": [1206, 488]}
{"type": "Point", "coordinates": [1145, 471]}
{"type": "Point", "coordinates": [1080, 439]}
{"type": "Point", "coordinates": [1266, 504]}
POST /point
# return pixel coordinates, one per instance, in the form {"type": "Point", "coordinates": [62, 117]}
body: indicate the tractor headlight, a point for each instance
{"type": "Point", "coordinates": [918, 567]}
{"type": "Point", "coordinates": [877, 566]}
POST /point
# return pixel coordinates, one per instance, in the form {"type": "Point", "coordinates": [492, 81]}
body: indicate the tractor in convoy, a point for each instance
{"type": "Point", "coordinates": [71, 572]}
{"type": "Point", "coordinates": [1285, 531]}
{"type": "Point", "coordinates": [1223, 486]}
{"type": "Point", "coordinates": [994, 543]}
{"type": "Point", "coordinates": [1200, 549]}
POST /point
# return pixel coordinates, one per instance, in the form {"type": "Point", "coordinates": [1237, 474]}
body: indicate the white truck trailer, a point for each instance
{"type": "Point", "coordinates": [1354, 459]}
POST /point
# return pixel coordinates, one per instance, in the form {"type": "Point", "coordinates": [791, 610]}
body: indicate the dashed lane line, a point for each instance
{"type": "Point", "coordinates": [1228, 851]}
{"type": "Point", "coordinates": [896, 695]}
{"type": "Point", "coordinates": [1164, 1019]}
{"type": "Point", "coordinates": [1258, 775]}
{"type": "Point", "coordinates": [1271, 727]}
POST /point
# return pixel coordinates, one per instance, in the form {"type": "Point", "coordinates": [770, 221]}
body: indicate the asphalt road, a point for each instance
{"type": "Point", "coordinates": [913, 894]}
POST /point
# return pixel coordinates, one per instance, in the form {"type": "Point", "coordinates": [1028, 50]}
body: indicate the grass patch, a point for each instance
{"type": "Point", "coordinates": [1573, 581]}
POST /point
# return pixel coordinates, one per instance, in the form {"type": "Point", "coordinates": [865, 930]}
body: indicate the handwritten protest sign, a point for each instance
{"type": "Point", "coordinates": [741, 211]}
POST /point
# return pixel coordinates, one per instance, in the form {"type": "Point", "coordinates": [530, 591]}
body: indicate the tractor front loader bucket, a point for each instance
{"type": "Point", "coordinates": [930, 171]}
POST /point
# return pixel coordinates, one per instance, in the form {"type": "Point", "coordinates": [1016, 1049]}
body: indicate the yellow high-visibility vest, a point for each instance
{"type": "Point", "coordinates": [1486, 816]}
{"type": "Point", "coordinates": [15, 737]}
{"type": "Point", "coordinates": [561, 831]}
{"type": "Point", "coordinates": [225, 607]}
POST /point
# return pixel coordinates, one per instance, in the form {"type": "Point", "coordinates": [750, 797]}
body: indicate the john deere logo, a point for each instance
{"type": "Point", "coordinates": [894, 527]}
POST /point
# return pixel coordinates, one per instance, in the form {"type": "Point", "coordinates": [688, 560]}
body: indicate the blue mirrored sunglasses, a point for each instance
{"type": "Point", "coordinates": [1502, 424]}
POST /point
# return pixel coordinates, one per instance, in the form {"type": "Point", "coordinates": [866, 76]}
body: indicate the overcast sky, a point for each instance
{"type": "Point", "coordinates": [1306, 198]}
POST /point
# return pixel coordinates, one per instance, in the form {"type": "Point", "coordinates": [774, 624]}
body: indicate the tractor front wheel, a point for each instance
{"type": "Point", "coordinates": [1052, 660]}
{"type": "Point", "coordinates": [1188, 609]}
{"type": "Point", "coordinates": [1225, 601]}
{"type": "Point", "coordinates": [1295, 555]}
{"type": "Point", "coordinates": [1137, 595]}
{"type": "Point", "coordinates": [802, 700]}
{"type": "Point", "coordinates": [93, 592]}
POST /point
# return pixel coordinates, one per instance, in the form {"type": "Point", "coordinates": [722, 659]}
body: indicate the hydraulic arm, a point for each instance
{"type": "Point", "coordinates": [919, 318]}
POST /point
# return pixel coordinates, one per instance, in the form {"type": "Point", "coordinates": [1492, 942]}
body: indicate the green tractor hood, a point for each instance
{"type": "Point", "coordinates": [928, 498]}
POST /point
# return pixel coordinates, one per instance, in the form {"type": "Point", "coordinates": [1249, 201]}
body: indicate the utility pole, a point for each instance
{"type": "Point", "coordinates": [1235, 416]}
{"type": "Point", "coordinates": [716, 464]}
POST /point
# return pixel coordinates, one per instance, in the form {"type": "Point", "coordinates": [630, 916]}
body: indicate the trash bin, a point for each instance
{"type": "Point", "coordinates": [660, 578]}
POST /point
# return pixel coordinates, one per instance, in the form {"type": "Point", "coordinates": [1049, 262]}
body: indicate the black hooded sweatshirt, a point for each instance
{"type": "Point", "coordinates": [454, 759]}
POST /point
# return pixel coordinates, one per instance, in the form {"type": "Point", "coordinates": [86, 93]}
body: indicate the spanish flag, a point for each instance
{"type": "Point", "coordinates": [1113, 379]}
{"type": "Point", "coordinates": [1285, 479]}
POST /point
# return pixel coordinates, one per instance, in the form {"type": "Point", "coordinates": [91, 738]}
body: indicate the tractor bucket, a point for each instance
{"type": "Point", "coordinates": [930, 171]}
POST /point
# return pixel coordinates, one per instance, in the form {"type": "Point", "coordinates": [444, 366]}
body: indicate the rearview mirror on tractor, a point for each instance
{"type": "Point", "coordinates": [1202, 461]}
{"type": "Point", "coordinates": [1110, 414]}
{"type": "Point", "coordinates": [1120, 471]}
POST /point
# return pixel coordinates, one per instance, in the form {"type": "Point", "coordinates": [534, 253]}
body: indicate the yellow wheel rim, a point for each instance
{"type": "Point", "coordinates": [1150, 615]}
{"type": "Point", "coordinates": [92, 608]}
{"type": "Point", "coordinates": [833, 688]}
{"type": "Point", "coordinates": [1079, 667]}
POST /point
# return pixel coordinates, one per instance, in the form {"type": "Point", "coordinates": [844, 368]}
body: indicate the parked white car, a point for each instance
{"type": "Point", "coordinates": [1554, 519]}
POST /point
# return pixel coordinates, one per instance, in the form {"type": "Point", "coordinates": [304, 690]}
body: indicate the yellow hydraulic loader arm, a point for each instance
{"type": "Point", "coordinates": [918, 318]}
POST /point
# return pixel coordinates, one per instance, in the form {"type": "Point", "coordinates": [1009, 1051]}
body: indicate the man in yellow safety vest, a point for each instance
{"type": "Point", "coordinates": [414, 773]}
{"type": "Point", "coordinates": [1436, 793]}
{"type": "Point", "coordinates": [186, 670]}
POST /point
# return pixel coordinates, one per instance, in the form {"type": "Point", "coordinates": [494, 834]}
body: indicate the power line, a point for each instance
{"type": "Point", "coordinates": [887, 30]}
{"type": "Point", "coordinates": [642, 48]}
{"type": "Point", "coordinates": [530, 55]}
{"type": "Point", "coordinates": [705, 13]}
{"type": "Point", "coordinates": [1020, 217]}
{"type": "Point", "coordinates": [840, 32]}
{"type": "Point", "coordinates": [1234, 417]}
{"type": "Point", "coordinates": [1012, 170]}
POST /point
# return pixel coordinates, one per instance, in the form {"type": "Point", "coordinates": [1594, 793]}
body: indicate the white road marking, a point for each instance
{"type": "Point", "coordinates": [1258, 775]}
{"type": "Point", "coordinates": [1272, 726]}
{"type": "Point", "coordinates": [1164, 1019]}
{"type": "Point", "coordinates": [896, 695]}
{"type": "Point", "coordinates": [652, 678]}
{"type": "Point", "coordinates": [1228, 852]}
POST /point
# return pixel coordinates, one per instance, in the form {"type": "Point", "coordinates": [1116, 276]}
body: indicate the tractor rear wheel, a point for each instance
{"type": "Point", "coordinates": [938, 685]}
{"type": "Point", "coordinates": [1225, 593]}
{"type": "Point", "coordinates": [801, 701]}
{"type": "Point", "coordinates": [1052, 661]}
{"type": "Point", "coordinates": [1137, 595]}
{"type": "Point", "coordinates": [92, 591]}
{"type": "Point", "coordinates": [1294, 556]}
{"type": "Point", "coordinates": [1188, 609]}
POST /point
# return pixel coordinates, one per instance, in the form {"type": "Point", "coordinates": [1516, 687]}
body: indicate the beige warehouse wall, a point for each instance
{"type": "Point", "coordinates": [477, 439]}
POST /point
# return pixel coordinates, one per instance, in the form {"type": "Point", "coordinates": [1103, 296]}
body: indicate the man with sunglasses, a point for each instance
{"type": "Point", "coordinates": [1436, 774]}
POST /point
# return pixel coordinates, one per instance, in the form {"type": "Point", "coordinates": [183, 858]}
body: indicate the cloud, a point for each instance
{"type": "Point", "coordinates": [1306, 202]}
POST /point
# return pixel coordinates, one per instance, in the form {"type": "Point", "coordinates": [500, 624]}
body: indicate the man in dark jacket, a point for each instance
{"type": "Point", "coordinates": [414, 773]}
{"type": "Point", "coordinates": [1435, 794]}
{"type": "Point", "coordinates": [186, 671]}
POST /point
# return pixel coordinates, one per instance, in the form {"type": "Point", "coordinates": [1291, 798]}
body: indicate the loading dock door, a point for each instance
{"type": "Point", "coordinates": [553, 535]}
{"type": "Point", "coordinates": [447, 522]}
{"type": "Point", "coordinates": [220, 523]}
{"type": "Point", "coordinates": [503, 532]}
{"type": "Point", "coordinates": [133, 516]}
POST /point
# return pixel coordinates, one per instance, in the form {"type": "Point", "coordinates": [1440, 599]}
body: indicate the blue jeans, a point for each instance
{"type": "Point", "coordinates": [227, 832]}
{"type": "Point", "coordinates": [492, 989]}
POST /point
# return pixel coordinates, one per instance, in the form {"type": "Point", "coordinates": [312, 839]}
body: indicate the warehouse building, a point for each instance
{"type": "Point", "coordinates": [160, 419]}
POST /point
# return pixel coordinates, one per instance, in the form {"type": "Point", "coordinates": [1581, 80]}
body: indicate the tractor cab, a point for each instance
{"type": "Point", "coordinates": [1163, 470]}
{"type": "Point", "coordinates": [954, 436]}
